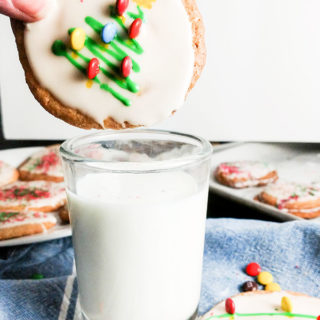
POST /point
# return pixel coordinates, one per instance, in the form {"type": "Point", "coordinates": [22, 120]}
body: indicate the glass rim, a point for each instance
{"type": "Point", "coordinates": [205, 151]}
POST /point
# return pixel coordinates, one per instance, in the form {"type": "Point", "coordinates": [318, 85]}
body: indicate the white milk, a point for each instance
{"type": "Point", "coordinates": [139, 242]}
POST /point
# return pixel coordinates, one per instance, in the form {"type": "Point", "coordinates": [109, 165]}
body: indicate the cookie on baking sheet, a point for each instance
{"type": "Point", "coordinates": [100, 64]}
{"type": "Point", "coordinates": [14, 224]}
{"type": "Point", "coordinates": [266, 305]}
{"type": "Point", "coordinates": [42, 196]}
{"type": "Point", "coordinates": [64, 214]}
{"type": "Point", "coordinates": [43, 165]}
{"type": "Point", "coordinates": [244, 174]}
{"type": "Point", "coordinates": [302, 200]}
{"type": "Point", "coordinates": [8, 174]}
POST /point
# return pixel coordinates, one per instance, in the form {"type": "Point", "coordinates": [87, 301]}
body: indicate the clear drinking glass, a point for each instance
{"type": "Point", "coordinates": [138, 201]}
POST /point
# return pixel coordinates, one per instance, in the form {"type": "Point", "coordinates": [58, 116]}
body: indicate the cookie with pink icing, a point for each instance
{"type": "Point", "coordinates": [244, 174]}
{"type": "Point", "coordinates": [299, 199]}
{"type": "Point", "coordinates": [95, 65]}
{"type": "Point", "coordinates": [8, 174]}
{"type": "Point", "coordinates": [14, 224]}
{"type": "Point", "coordinates": [267, 305]}
{"type": "Point", "coordinates": [41, 196]}
{"type": "Point", "coordinates": [43, 165]}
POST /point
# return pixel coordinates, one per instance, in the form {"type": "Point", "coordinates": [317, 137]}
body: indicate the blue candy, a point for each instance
{"type": "Point", "coordinates": [108, 32]}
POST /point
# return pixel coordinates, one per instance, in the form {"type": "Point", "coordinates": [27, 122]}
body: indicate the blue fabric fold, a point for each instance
{"type": "Point", "coordinates": [290, 251]}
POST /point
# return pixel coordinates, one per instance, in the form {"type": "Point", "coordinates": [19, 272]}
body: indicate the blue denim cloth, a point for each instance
{"type": "Point", "coordinates": [291, 251]}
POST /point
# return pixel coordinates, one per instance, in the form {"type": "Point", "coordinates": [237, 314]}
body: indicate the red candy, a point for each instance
{"type": "Point", "coordinates": [318, 318]}
{"type": "Point", "coordinates": [93, 68]}
{"type": "Point", "coordinates": [230, 306]}
{"type": "Point", "coordinates": [253, 269]}
{"type": "Point", "coordinates": [126, 66]}
{"type": "Point", "coordinates": [135, 28]}
{"type": "Point", "coordinates": [122, 6]}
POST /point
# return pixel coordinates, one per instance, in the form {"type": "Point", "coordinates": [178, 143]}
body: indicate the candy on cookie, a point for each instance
{"type": "Point", "coordinates": [244, 174]}
{"type": "Point", "coordinates": [267, 305]}
{"type": "Point", "coordinates": [150, 53]}
{"type": "Point", "coordinates": [8, 174]}
{"type": "Point", "coordinates": [43, 165]}
{"type": "Point", "coordinates": [41, 196]}
{"type": "Point", "coordinates": [14, 224]}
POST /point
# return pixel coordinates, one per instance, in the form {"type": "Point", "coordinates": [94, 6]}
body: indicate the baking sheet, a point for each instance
{"type": "Point", "coordinates": [294, 162]}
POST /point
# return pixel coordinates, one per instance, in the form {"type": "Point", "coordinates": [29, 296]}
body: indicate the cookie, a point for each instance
{"type": "Point", "coordinates": [302, 200]}
{"type": "Point", "coordinates": [244, 174]}
{"type": "Point", "coordinates": [64, 214]}
{"type": "Point", "coordinates": [14, 224]}
{"type": "Point", "coordinates": [8, 174]}
{"type": "Point", "coordinates": [166, 51]}
{"type": "Point", "coordinates": [41, 196]}
{"type": "Point", "coordinates": [43, 165]}
{"type": "Point", "coordinates": [267, 305]}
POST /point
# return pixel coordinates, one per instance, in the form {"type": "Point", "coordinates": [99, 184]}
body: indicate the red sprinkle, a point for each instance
{"type": "Point", "coordinates": [230, 306]}
{"type": "Point", "coordinates": [134, 29]}
{"type": "Point", "coordinates": [122, 6]}
{"type": "Point", "coordinates": [253, 269]}
{"type": "Point", "coordinates": [93, 68]}
{"type": "Point", "coordinates": [126, 66]}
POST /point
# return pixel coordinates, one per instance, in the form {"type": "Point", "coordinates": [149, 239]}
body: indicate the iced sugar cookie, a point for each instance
{"type": "Point", "coordinates": [302, 200]}
{"type": "Point", "coordinates": [105, 64]}
{"type": "Point", "coordinates": [32, 196]}
{"type": "Point", "coordinates": [43, 165]}
{"type": "Point", "coordinates": [266, 305]}
{"type": "Point", "coordinates": [243, 174]}
{"type": "Point", "coordinates": [14, 224]}
{"type": "Point", "coordinates": [8, 174]}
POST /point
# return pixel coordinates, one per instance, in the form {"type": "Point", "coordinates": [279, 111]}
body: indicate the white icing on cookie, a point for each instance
{"type": "Point", "coordinates": [289, 192]}
{"type": "Point", "coordinates": [15, 219]}
{"type": "Point", "coordinates": [166, 64]}
{"type": "Point", "coordinates": [46, 161]}
{"type": "Point", "coordinates": [267, 302]}
{"type": "Point", "coordinates": [33, 194]}
{"type": "Point", "coordinates": [245, 169]}
{"type": "Point", "coordinates": [7, 173]}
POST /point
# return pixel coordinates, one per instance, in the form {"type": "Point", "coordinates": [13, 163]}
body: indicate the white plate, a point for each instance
{"type": "Point", "coordinates": [15, 157]}
{"type": "Point", "coordinates": [294, 162]}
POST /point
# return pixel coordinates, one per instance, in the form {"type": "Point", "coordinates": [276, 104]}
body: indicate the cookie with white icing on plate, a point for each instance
{"type": "Point", "coordinates": [43, 165]}
{"type": "Point", "coordinates": [94, 64]}
{"type": "Point", "coordinates": [64, 214]}
{"type": "Point", "coordinates": [8, 174]}
{"type": "Point", "coordinates": [267, 305]}
{"type": "Point", "coordinates": [302, 200]}
{"type": "Point", "coordinates": [244, 174]}
{"type": "Point", "coordinates": [41, 196]}
{"type": "Point", "coordinates": [14, 224]}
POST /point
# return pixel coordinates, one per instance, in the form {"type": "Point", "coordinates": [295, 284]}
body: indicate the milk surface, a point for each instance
{"type": "Point", "coordinates": [139, 243]}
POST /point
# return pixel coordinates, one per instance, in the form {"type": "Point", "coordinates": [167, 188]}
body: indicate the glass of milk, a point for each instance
{"type": "Point", "coordinates": [137, 201]}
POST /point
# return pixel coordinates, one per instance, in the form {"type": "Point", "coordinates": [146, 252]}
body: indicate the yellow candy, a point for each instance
{"type": "Point", "coordinates": [272, 286]}
{"type": "Point", "coordinates": [77, 39]}
{"type": "Point", "coordinates": [286, 304]}
{"type": "Point", "coordinates": [265, 277]}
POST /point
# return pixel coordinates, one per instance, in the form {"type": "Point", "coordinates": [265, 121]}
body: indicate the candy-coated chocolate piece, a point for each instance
{"type": "Point", "coordinates": [272, 287]}
{"type": "Point", "coordinates": [93, 68]}
{"type": "Point", "coordinates": [286, 304]}
{"type": "Point", "coordinates": [230, 306]}
{"type": "Point", "coordinates": [250, 286]}
{"type": "Point", "coordinates": [135, 28]}
{"type": "Point", "coordinates": [109, 32]}
{"type": "Point", "coordinates": [265, 277]}
{"type": "Point", "coordinates": [37, 276]}
{"type": "Point", "coordinates": [318, 318]}
{"type": "Point", "coordinates": [126, 67]}
{"type": "Point", "coordinates": [253, 269]}
{"type": "Point", "coordinates": [77, 39]}
{"type": "Point", "coordinates": [122, 6]}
